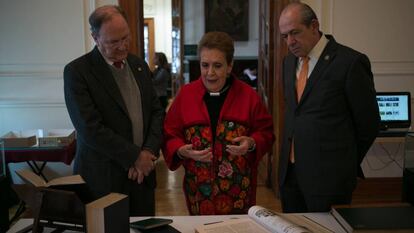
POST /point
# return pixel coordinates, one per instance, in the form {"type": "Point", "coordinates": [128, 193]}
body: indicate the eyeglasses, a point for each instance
{"type": "Point", "coordinates": [117, 43]}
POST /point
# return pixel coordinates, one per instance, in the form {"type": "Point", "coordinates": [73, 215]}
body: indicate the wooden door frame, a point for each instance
{"type": "Point", "coordinates": [272, 90]}
{"type": "Point", "coordinates": [280, 51]}
{"type": "Point", "coordinates": [177, 14]}
{"type": "Point", "coordinates": [135, 12]}
{"type": "Point", "coordinates": [151, 42]}
{"type": "Point", "coordinates": [135, 17]}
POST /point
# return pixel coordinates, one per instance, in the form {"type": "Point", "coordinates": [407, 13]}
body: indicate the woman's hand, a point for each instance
{"type": "Point", "coordinates": [187, 152]}
{"type": "Point", "coordinates": [244, 145]}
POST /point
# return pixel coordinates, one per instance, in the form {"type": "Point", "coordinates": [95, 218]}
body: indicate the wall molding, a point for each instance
{"type": "Point", "coordinates": [30, 103]}
{"type": "Point", "coordinates": [393, 67]}
{"type": "Point", "coordinates": [32, 71]}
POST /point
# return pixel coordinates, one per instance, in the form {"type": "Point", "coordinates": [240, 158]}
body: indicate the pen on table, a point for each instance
{"type": "Point", "coordinates": [209, 223]}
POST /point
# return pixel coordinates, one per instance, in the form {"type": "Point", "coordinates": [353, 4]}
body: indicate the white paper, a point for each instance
{"type": "Point", "coordinates": [273, 222]}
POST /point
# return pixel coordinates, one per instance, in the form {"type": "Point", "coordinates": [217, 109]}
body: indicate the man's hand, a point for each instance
{"type": "Point", "coordinates": [144, 164]}
{"type": "Point", "coordinates": [187, 152]}
{"type": "Point", "coordinates": [135, 175]}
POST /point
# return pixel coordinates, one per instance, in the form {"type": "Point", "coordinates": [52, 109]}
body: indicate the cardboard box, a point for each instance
{"type": "Point", "coordinates": [56, 137]}
{"type": "Point", "coordinates": [19, 139]}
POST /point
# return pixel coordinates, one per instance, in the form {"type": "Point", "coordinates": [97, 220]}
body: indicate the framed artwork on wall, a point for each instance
{"type": "Point", "coordinates": [231, 16]}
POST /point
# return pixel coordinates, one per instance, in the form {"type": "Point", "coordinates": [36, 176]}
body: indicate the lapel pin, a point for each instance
{"type": "Point", "coordinates": [326, 57]}
{"type": "Point", "coordinates": [139, 69]}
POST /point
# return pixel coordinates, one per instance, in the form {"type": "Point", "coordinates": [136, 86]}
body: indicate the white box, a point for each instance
{"type": "Point", "coordinates": [55, 137]}
{"type": "Point", "coordinates": [26, 138]}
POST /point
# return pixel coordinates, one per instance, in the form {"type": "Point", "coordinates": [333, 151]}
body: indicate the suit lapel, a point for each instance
{"type": "Point", "coordinates": [291, 61]}
{"type": "Point", "coordinates": [325, 59]}
{"type": "Point", "coordinates": [137, 70]}
{"type": "Point", "coordinates": [104, 75]}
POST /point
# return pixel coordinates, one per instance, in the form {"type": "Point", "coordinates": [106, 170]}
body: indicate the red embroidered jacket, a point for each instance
{"type": "Point", "coordinates": [227, 185]}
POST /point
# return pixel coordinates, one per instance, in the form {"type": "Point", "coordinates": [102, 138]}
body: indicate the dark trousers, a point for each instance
{"type": "Point", "coordinates": [294, 200]}
{"type": "Point", "coordinates": [164, 101]}
{"type": "Point", "coordinates": [141, 200]}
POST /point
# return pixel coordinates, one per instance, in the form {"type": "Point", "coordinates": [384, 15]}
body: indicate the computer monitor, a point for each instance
{"type": "Point", "coordinates": [395, 109]}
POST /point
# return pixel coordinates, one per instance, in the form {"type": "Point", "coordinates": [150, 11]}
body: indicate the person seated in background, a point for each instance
{"type": "Point", "coordinates": [161, 78]}
{"type": "Point", "coordinates": [218, 129]}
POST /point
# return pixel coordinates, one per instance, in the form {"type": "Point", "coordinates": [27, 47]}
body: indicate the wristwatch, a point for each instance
{"type": "Point", "coordinates": [252, 147]}
{"type": "Point", "coordinates": [179, 155]}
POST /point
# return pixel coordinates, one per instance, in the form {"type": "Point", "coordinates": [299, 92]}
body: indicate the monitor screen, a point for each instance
{"type": "Point", "coordinates": [394, 109]}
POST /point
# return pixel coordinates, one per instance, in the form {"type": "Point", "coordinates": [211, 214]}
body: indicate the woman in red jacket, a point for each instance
{"type": "Point", "coordinates": [218, 129]}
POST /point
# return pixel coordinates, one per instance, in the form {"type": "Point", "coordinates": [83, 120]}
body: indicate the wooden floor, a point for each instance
{"type": "Point", "coordinates": [170, 197]}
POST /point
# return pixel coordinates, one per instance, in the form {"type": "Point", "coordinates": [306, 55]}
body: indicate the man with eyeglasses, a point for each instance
{"type": "Point", "coordinates": [116, 114]}
{"type": "Point", "coordinates": [331, 115]}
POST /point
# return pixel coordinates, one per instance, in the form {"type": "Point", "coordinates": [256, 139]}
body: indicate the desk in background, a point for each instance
{"type": "Point", "coordinates": [33, 154]}
{"type": "Point", "coordinates": [408, 172]}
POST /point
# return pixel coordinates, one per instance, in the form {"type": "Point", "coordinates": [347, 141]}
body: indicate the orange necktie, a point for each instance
{"type": "Point", "coordinates": [300, 86]}
{"type": "Point", "coordinates": [302, 77]}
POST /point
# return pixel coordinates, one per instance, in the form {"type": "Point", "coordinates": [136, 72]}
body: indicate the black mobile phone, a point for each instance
{"type": "Point", "coordinates": [150, 223]}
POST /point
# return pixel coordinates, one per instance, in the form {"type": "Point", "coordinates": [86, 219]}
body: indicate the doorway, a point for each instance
{"type": "Point", "coordinates": [163, 33]}
{"type": "Point", "coordinates": [149, 42]}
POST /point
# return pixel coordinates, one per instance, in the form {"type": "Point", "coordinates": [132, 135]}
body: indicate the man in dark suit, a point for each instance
{"type": "Point", "coordinates": [331, 115]}
{"type": "Point", "coordinates": [116, 113]}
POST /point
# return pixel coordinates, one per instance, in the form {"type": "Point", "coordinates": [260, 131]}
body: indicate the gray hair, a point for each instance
{"type": "Point", "coordinates": [103, 14]}
{"type": "Point", "coordinates": [307, 13]}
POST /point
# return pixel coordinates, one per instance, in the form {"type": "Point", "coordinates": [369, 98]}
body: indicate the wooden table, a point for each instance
{"type": "Point", "coordinates": [33, 154]}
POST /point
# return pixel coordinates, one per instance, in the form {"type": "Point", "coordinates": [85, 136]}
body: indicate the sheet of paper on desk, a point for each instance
{"type": "Point", "coordinates": [264, 220]}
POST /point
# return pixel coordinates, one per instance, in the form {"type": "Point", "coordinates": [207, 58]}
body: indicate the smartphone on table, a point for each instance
{"type": "Point", "coordinates": [150, 223]}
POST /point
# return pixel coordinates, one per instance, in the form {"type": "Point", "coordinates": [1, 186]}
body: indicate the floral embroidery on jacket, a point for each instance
{"type": "Point", "coordinates": [223, 186]}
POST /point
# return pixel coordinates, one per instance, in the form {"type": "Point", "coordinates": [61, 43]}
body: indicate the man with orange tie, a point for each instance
{"type": "Point", "coordinates": [116, 113]}
{"type": "Point", "coordinates": [331, 115]}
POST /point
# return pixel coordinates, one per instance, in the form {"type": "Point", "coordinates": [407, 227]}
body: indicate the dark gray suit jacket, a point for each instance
{"type": "Point", "coordinates": [105, 148]}
{"type": "Point", "coordinates": [334, 123]}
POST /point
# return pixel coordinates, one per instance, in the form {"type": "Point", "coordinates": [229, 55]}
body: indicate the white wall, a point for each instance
{"type": "Point", "coordinates": [160, 11]}
{"type": "Point", "coordinates": [38, 39]}
{"type": "Point", "coordinates": [381, 29]}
